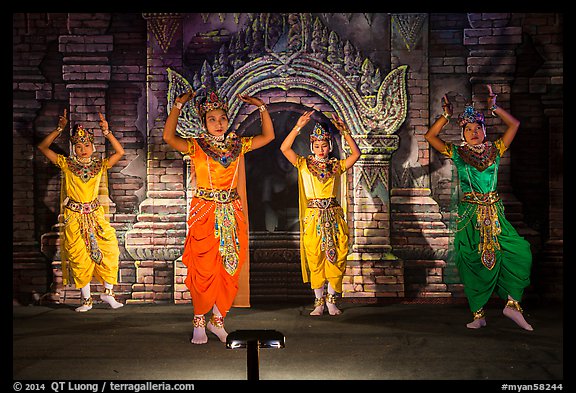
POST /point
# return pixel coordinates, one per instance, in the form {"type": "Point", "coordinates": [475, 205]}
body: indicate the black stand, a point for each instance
{"type": "Point", "coordinates": [253, 340]}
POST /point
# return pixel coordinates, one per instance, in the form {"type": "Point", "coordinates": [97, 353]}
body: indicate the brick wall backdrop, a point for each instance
{"type": "Point", "coordinates": [112, 63]}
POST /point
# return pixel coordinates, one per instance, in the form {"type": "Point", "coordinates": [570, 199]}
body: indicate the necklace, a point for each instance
{"type": "Point", "coordinates": [210, 178]}
{"type": "Point", "coordinates": [84, 170]}
{"type": "Point", "coordinates": [216, 138]}
{"type": "Point", "coordinates": [476, 148]}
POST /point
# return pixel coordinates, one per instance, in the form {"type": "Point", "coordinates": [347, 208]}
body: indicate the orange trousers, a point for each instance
{"type": "Point", "coordinates": [207, 279]}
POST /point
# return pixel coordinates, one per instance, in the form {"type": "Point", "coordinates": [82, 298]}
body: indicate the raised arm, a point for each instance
{"type": "Point", "coordinates": [511, 122]}
{"type": "Point", "coordinates": [267, 135]}
{"type": "Point", "coordinates": [169, 134]}
{"type": "Point", "coordinates": [432, 134]}
{"type": "Point", "coordinates": [44, 146]}
{"type": "Point", "coordinates": [118, 149]}
{"type": "Point", "coordinates": [286, 146]}
{"type": "Point", "coordinates": [355, 150]}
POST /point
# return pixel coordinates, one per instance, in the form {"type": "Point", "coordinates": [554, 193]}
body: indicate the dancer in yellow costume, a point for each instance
{"type": "Point", "coordinates": [88, 245]}
{"type": "Point", "coordinates": [324, 233]}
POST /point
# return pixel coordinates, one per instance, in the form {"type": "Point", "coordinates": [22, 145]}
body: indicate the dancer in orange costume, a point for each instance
{"type": "Point", "coordinates": [217, 242]}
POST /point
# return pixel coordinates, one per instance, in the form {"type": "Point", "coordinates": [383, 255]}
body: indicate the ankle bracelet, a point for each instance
{"type": "Point", "coordinates": [109, 292]}
{"type": "Point", "coordinates": [87, 301]}
{"type": "Point", "coordinates": [319, 301]}
{"type": "Point", "coordinates": [217, 321]}
{"type": "Point", "coordinates": [331, 298]}
{"type": "Point", "coordinates": [199, 321]}
{"type": "Point", "coordinates": [514, 305]}
{"type": "Point", "coordinates": [479, 314]}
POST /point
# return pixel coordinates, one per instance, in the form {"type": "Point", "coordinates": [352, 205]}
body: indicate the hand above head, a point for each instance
{"type": "Point", "coordinates": [103, 123]}
{"type": "Point", "coordinates": [250, 99]}
{"type": "Point", "coordinates": [62, 120]}
{"type": "Point", "coordinates": [339, 124]}
{"type": "Point", "coordinates": [185, 97]}
{"type": "Point", "coordinates": [491, 97]}
{"type": "Point", "coordinates": [304, 119]}
{"type": "Point", "coordinates": [447, 106]}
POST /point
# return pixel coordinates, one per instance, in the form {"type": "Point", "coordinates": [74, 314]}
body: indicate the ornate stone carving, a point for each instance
{"type": "Point", "coordinates": [163, 27]}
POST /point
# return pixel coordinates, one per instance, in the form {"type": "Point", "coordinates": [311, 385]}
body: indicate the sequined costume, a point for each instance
{"type": "Point", "coordinates": [324, 233]}
{"type": "Point", "coordinates": [88, 243]}
{"type": "Point", "coordinates": [216, 247]}
{"type": "Point", "coordinates": [490, 254]}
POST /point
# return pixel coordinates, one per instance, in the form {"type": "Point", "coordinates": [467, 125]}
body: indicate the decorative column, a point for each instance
{"type": "Point", "coordinates": [156, 240]}
{"type": "Point", "coordinates": [372, 270]}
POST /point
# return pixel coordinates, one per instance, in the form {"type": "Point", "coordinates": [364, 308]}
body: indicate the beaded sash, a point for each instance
{"type": "Point", "coordinates": [327, 225]}
{"type": "Point", "coordinates": [220, 196]}
{"type": "Point", "coordinates": [89, 226]}
{"type": "Point", "coordinates": [487, 223]}
{"type": "Point", "coordinates": [323, 203]}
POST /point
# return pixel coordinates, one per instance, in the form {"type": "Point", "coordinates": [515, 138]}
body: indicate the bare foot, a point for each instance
{"type": "Point", "coordinates": [86, 305]}
{"type": "Point", "coordinates": [476, 324]}
{"type": "Point", "coordinates": [517, 317]}
{"type": "Point", "coordinates": [318, 306]}
{"type": "Point", "coordinates": [216, 326]}
{"type": "Point", "coordinates": [318, 310]}
{"type": "Point", "coordinates": [199, 336]}
{"type": "Point", "coordinates": [332, 309]}
{"type": "Point", "coordinates": [110, 300]}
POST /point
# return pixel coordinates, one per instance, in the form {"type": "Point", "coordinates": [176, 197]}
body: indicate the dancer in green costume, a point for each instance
{"type": "Point", "coordinates": [490, 254]}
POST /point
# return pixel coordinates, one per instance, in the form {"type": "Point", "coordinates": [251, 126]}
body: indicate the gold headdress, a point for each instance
{"type": "Point", "coordinates": [78, 134]}
{"type": "Point", "coordinates": [319, 133]}
{"type": "Point", "coordinates": [209, 103]}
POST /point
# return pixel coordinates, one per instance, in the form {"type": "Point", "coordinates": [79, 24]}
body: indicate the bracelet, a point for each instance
{"type": "Point", "coordinates": [178, 105]}
{"type": "Point", "coordinates": [262, 108]}
{"type": "Point", "coordinates": [59, 129]}
{"type": "Point", "coordinates": [446, 116]}
{"type": "Point", "coordinates": [297, 128]}
{"type": "Point", "coordinates": [493, 108]}
{"type": "Point", "coordinates": [106, 132]}
{"type": "Point", "coordinates": [345, 132]}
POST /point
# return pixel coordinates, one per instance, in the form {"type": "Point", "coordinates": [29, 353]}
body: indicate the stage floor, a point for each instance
{"type": "Point", "coordinates": [393, 342]}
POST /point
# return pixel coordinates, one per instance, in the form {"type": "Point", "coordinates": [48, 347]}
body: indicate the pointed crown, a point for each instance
{"type": "Point", "coordinates": [209, 102]}
{"type": "Point", "coordinates": [78, 134]}
{"type": "Point", "coordinates": [319, 134]}
{"type": "Point", "coordinates": [470, 115]}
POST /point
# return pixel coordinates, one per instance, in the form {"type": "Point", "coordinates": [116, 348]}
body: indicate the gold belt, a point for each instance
{"type": "Point", "coordinates": [323, 203]}
{"type": "Point", "coordinates": [220, 196]}
{"type": "Point", "coordinates": [486, 199]}
{"type": "Point", "coordinates": [84, 208]}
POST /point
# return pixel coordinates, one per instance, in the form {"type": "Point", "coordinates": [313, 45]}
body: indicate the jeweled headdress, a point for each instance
{"type": "Point", "coordinates": [78, 134]}
{"type": "Point", "coordinates": [470, 115]}
{"type": "Point", "coordinates": [209, 102]}
{"type": "Point", "coordinates": [319, 134]}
